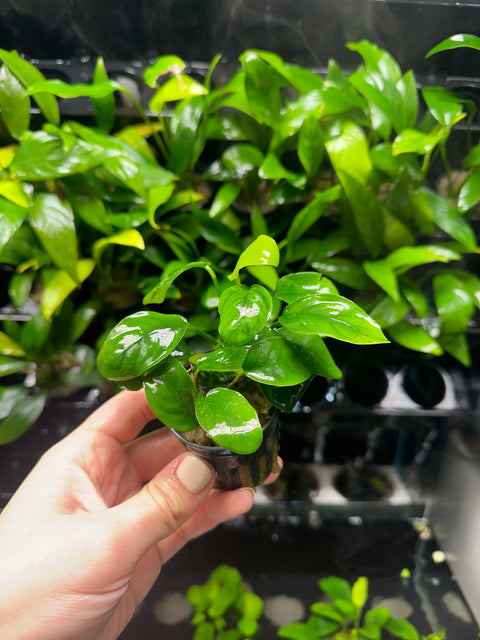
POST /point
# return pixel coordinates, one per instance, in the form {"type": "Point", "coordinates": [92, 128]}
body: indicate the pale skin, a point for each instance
{"type": "Point", "coordinates": [85, 536]}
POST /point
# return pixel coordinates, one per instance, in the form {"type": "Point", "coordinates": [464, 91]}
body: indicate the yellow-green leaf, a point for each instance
{"type": "Point", "coordinates": [126, 238]}
{"type": "Point", "coordinates": [61, 285]}
{"type": "Point", "coordinates": [9, 347]}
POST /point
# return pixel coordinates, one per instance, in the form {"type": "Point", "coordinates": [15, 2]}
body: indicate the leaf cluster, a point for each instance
{"type": "Point", "coordinates": [269, 336]}
{"type": "Point", "coordinates": [225, 609]}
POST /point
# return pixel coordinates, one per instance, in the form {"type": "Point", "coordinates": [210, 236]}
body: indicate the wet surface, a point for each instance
{"type": "Point", "coordinates": [282, 559]}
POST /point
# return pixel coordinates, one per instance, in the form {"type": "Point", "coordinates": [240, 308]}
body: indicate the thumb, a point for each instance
{"type": "Point", "coordinates": [162, 506]}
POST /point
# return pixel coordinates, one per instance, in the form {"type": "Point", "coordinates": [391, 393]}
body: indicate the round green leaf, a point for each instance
{"type": "Point", "coordinates": [139, 343]}
{"type": "Point", "coordinates": [332, 316]}
{"type": "Point", "coordinates": [223, 359]}
{"type": "Point", "coordinates": [263, 251]}
{"type": "Point", "coordinates": [297, 285]}
{"type": "Point", "coordinates": [171, 394]}
{"type": "Point", "coordinates": [243, 313]}
{"type": "Point", "coordinates": [230, 420]}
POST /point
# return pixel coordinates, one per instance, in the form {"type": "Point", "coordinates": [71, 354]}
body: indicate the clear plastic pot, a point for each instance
{"type": "Point", "coordinates": [235, 470]}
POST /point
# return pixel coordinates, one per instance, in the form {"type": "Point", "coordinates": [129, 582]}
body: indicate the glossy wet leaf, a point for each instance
{"type": "Point", "coordinates": [332, 316]}
{"type": "Point", "coordinates": [296, 285]}
{"type": "Point", "coordinates": [22, 415]}
{"type": "Point", "coordinates": [314, 353]}
{"type": "Point", "coordinates": [414, 141]}
{"type": "Point", "coordinates": [348, 151]}
{"type": "Point", "coordinates": [458, 41]}
{"type": "Point", "coordinates": [171, 394]}
{"type": "Point", "coordinates": [243, 312]}
{"type": "Point", "coordinates": [414, 337]}
{"type": "Point", "coordinates": [61, 285]}
{"type": "Point", "coordinates": [224, 197]}
{"type": "Point", "coordinates": [28, 74]}
{"type": "Point", "coordinates": [52, 221]}
{"type": "Point", "coordinates": [387, 311]}
{"type": "Point", "coordinates": [14, 104]}
{"type": "Point", "coordinates": [284, 398]}
{"type": "Point", "coordinates": [454, 303]}
{"type": "Point", "coordinates": [343, 270]}
{"type": "Point", "coordinates": [230, 420]}
{"type": "Point", "coordinates": [377, 59]}
{"type": "Point", "coordinates": [445, 106]}
{"type": "Point", "coordinates": [276, 361]}
{"type": "Point", "coordinates": [223, 359]}
{"type": "Point", "coordinates": [139, 343]}
{"type": "Point", "coordinates": [263, 251]}
{"type": "Point", "coordinates": [237, 162]}
{"type": "Point", "coordinates": [262, 85]}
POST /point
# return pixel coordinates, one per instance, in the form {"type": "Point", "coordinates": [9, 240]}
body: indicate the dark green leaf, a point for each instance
{"type": "Point", "coordinates": [284, 398]}
{"type": "Point", "coordinates": [52, 221]}
{"type": "Point", "coordinates": [171, 394]}
{"type": "Point", "coordinates": [310, 213]}
{"type": "Point", "coordinates": [449, 219]}
{"type": "Point", "coordinates": [243, 312]}
{"type": "Point", "coordinates": [217, 233]}
{"type": "Point", "coordinates": [343, 270]}
{"type": "Point", "coordinates": [331, 316]}
{"type": "Point", "coordinates": [313, 351]}
{"type": "Point", "coordinates": [388, 311]}
{"type": "Point", "coordinates": [457, 345]}
{"type": "Point", "coordinates": [230, 420]}
{"type": "Point", "coordinates": [236, 163]}
{"type": "Point", "coordinates": [224, 359]}
{"type": "Point", "coordinates": [297, 285]}
{"type": "Point", "coordinates": [139, 343]}
{"type": "Point", "coordinates": [454, 304]}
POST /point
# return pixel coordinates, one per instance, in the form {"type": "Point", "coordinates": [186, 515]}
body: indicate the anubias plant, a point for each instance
{"type": "Point", "coordinates": [225, 608]}
{"type": "Point", "coordinates": [267, 336]}
{"type": "Point", "coordinates": [344, 617]}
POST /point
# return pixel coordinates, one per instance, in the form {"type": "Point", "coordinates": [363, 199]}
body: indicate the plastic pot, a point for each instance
{"type": "Point", "coordinates": [234, 470]}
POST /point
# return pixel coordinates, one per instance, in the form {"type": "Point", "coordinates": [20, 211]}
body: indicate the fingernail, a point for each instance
{"type": "Point", "coordinates": [194, 474]}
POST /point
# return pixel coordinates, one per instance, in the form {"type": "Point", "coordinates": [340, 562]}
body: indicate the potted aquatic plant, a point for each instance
{"type": "Point", "coordinates": [219, 386]}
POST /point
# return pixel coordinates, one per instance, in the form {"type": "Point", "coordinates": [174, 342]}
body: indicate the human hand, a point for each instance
{"type": "Point", "coordinates": [85, 536]}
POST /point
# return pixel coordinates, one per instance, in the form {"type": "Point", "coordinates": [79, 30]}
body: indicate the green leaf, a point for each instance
{"type": "Point", "coordinates": [310, 145]}
{"type": "Point", "coordinates": [126, 238]}
{"type": "Point", "coordinates": [405, 258]}
{"type": "Point", "coordinates": [217, 233]}
{"type": "Point", "coordinates": [276, 361]}
{"type": "Point", "coordinates": [84, 315]}
{"type": "Point", "coordinates": [367, 214]}
{"type": "Point", "coordinates": [360, 592]}
{"type": "Point", "coordinates": [52, 221]}
{"type": "Point", "coordinates": [310, 213]}
{"type": "Point", "coordinates": [91, 210]}
{"type": "Point", "coordinates": [223, 199]}
{"type": "Point", "coordinates": [314, 353]}
{"type": "Point", "coordinates": [457, 345]}
{"type": "Point", "coordinates": [237, 162]}
{"type": "Point", "coordinates": [272, 169]}
{"type": "Point", "coordinates": [10, 365]}
{"type": "Point", "coordinates": [179, 87]}
{"type": "Point", "coordinates": [401, 629]}
{"type": "Point", "coordinates": [297, 285]}
{"type": "Point", "coordinates": [98, 90]}
{"type": "Point", "coordinates": [161, 66]}
{"type": "Point", "coordinates": [262, 84]}
{"type": "Point", "coordinates": [381, 273]}
{"type": "Point", "coordinates": [348, 151]}
{"type": "Point", "coordinates": [157, 294]}
{"type": "Point", "coordinates": [61, 285]}
{"type": "Point", "coordinates": [265, 274]}
{"type": "Point", "coordinates": [19, 288]}
{"type": "Point", "coordinates": [377, 59]}
{"type": "Point", "coordinates": [414, 337]}
{"type": "Point", "coordinates": [284, 398]}
{"type": "Point", "coordinates": [449, 219]}
{"type": "Point", "coordinates": [223, 359]}
{"type": "Point", "coordinates": [445, 106]}
{"type": "Point", "coordinates": [243, 312]}
{"type": "Point", "coordinates": [414, 141]}
{"type": "Point", "coordinates": [326, 610]}
{"type": "Point", "coordinates": [19, 194]}
{"type": "Point", "coordinates": [8, 346]}
{"type": "Point", "coordinates": [28, 74]}
{"type": "Point", "coordinates": [460, 40]}
{"type": "Point", "coordinates": [171, 394]}
{"type": "Point", "coordinates": [103, 107]}
{"type": "Point", "coordinates": [454, 303]}
{"type": "Point", "coordinates": [387, 311]}
{"type": "Point", "coordinates": [139, 343]}
{"type": "Point", "coordinates": [14, 104]}
{"type": "Point", "coordinates": [21, 417]}
{"type": "Point", "coordinates": [263, 251]}
{"type": "Point", "coordinates": [378, 616]}
{"type": "Point", "coordinates": [332, 316]}
{"type": "Point", "coordinates": [10, 220]}
{"type": "Point", "coordinates": [230, 420]}
{"type": "Point", "coordinates": [343, 270]}
{"type": "Point", "coordinates": [370, 632]}
{"type": "Point", "coordinates": [469, 194]}
{"type": "Point", "coordinates": [336, 588]}
{"type": "Point", "coordinates": [158, 196]}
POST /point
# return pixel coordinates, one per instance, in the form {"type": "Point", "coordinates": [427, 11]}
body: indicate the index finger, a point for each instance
{"type": "Point", "coordinates": [121, 417]}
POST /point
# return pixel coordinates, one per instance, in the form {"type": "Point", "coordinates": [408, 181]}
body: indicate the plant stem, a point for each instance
{"type": "Point", "coordinates": [201, 333]}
